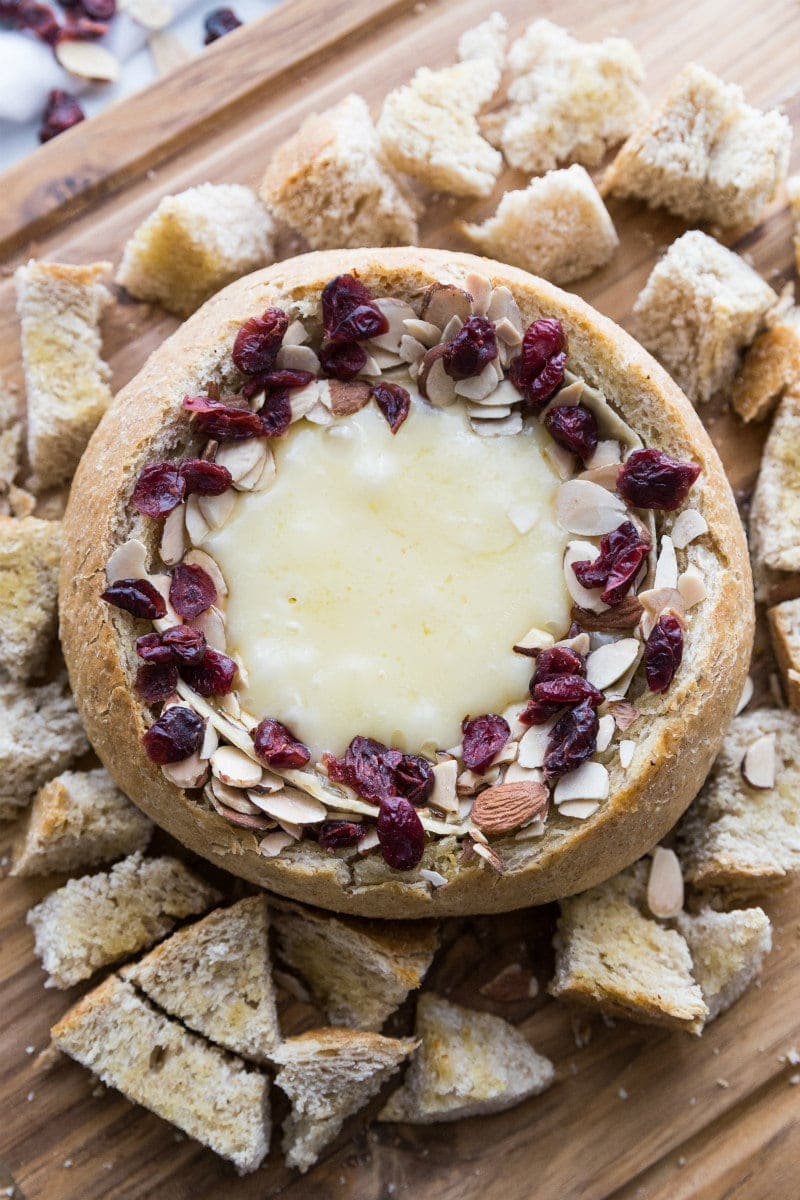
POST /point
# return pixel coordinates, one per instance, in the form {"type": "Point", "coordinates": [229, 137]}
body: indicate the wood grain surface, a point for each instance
{"type": "Point", "coordinates": [635, 1114]}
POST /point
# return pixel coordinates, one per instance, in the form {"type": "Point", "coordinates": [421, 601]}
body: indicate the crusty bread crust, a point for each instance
{"type": "Point", "coordinates": [680, 730]}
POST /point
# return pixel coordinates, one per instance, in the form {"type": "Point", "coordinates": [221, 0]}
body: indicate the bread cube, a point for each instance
{"type": "Point", "coordinates": [700, 307]}
{"type": "Point", "coordinates": [194, 244]}
{"type": "Point", "coordinates": [704, 154]}
{"type": "Point", "coordinates": [40, 735]}
{"type": "Point", "coordinates": [30, 551]}
{"type": "Point", "coordinates": [557, 227]}
{"type": "Point", "coordinates": [727, 951]}
{"type": "Point", "coordinates": [793, 190]}
{"type": "Point", "coordinates": [775, 508]}
{"type": "Point", "coordinates": [487, 40]}
{"type": "Point", "coordinates": [66, 380]}
{"type": "Point", "coordinates": [770, 368]}
{"type": "Point", "coordinates": [330, 184]}
{"type": "Point", "coordinates": [784, 627]}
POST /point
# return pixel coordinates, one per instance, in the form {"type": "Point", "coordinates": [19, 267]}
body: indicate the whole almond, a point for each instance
{"type": "Point", "coordinates": [624, 615]}
{"type": "Point", "coordinates": [508, 805]}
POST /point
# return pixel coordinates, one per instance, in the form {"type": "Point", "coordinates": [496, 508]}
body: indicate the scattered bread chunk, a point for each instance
{"type": "Point", "coordinates": [568, 101]}
{"type": "Point", "coordinates": [701, 305]}
{"type": "Point", "coordinates": [66, 380]}
{"type": "Point", "coordinates": [99, 919]}
{"type": "Point", "coordinates": [469, 1063]}
{"type": "Point", "coordinates": [704, 154]}
{"type": "Point", "coordinates": [429, 128]}
{"type": "Point", "coordinates": [330, 183]}
{"type": "Point", "coordinates": [557, 227]}
{"type": "Point", "coordinates": [77, 820]}
{"type": "Point", "coordinates": [611, 957]}
{"type": "Point", "coordinates": [793, 190]}
{"type": "Point", "coordinates": [40, 735]}
{"type": "Point", "coordinates": [155, 1062]}
{"type": "Point", "coordinates": [328, 1074]}
{"type": "Point", "coordinates": [30, 551]}
{"type": "Point", "coordinates": [775, 509]}
{"type": "Point", "coordinates": [739, 838]}
{"type": "Point", "coordinates": [12, 435]}
{"type": "Point", "coordinates": [359, 971]}
{"type": "Point", "coordinates": [771, 367]}
{"type": "Point", "coordinates": [195, 243]}
{"type": "Point", "coordinates": [215, 976]}
{"type": "Point", "coordinates": [784, 626]}
{"type": "Point", "coordinates": [727, 951]}
{"type": "Point", "coordinates": [487, 40]}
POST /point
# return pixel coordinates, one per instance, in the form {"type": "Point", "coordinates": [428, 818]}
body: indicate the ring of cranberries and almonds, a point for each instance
{"type": "Point", "coordinates": [399, 785]}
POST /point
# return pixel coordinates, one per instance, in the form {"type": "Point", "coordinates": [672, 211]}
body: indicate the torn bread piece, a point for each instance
{"type": "Point", "coordinates": [775, 508]}
{"type": "Point", "coordinates": [738, 837]}
{"type": "Point", "coordinates": [208, 1094]}
{"type": "Point", "coordinates": [701, 305]}
{"type": "Point", "coordinates": [429, 128]}
{"type": "Point", "coordinates": [215, 976]}
{"type": "Point", "coordinates": [329, 1074]}
{"type": "Point", "coordinates": [771, 367]}
{"type": "Point", "coordinates": [330, 184]}
{"type": "Point", "coordinates": [568, 101]}
{"type": "Point", "coordinates": [66, 380]}
{"type": "Point", "coordinates": [40, 735]}
{"type": "Point", "coordinates": [611, 957]}
{"type": "Point", "coordinates": [359, 971]}
{"type": "Point", "coordinates": [30, 552]}
{"type": "Point", "coordinates": [77, 820]}
{"type": "Point", "coordinates": [194, 244]}
{"type": "Point", "coordinates": [784, 627]}
{"type": "Point", "coordinates": [487, 41]}
{"type": "Point", "coordinates": [469, 1063]}
{"type": "Point", "coordinates": [12, 436]}
{"type": "Point", "coordinates": [704, 154]}
{"type": "Point", "coordinates": [793, 191]}
{"type": "Point", "coordinates": [557, 227]}
{"type": "Point", "coordinates": [98, 919]}
{"type": "Point", "coordinates": [727, 951]}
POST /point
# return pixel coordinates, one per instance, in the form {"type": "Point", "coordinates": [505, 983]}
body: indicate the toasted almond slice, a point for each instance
{"type": "Point", "coordinates": [267, 787]}
{"type": "Point", "coordinates": [240, 458]}
{"type": "Point", "coordinates": [579, 810]}
{"type": "Point", "coordinates": [586, 508]}
{"type": "Point", "coordinates": [625, 615]}
{"type": "Point", "coordinates": [397, 312]}
{"type": "Point", "coordinates": [689, 525]}
{"type": "Point", "coordinates": [759, 762]}
{"type": "Point", "coordinates": [469, 783]}
{"type": "Point", "coordinates": [210, 741]}
{"type": "Point", "coordinates": [442, 301]}
{"type": "Point", "coordinates": [535, 639]}
{"type": "Point", "coordinates": [233, 767]}
{"type": "Point", "coordinates": [422, 331]}
{"type": "Point", "coordinates": [507, 806]}
{"type": "Point", "coordinates": [511, 717]}
{"type": "Point", "coordinates": [297, 358]}
{"type": "Point", "coordinates": [486, 413]}
{"type": "Point", "coordinates": [319, 415]}
{"type": "Point", "coordinates": [533, 745]}
{"type": "Point", "coordinates": [746, 696]}
{"type": "Point", "coordinates": [199, 558]}
{"type": "Point", "coordinates": [271, 845]}
{"type": "Point", "coordinates": [162, 585]}
{"type": "Point", "coordinates": [480, 288]}
{"type": "Point", "coordinates": [432, 877]}
{"type": "Point", "coordinates": [588, 782]}
{"type": "Point", "coordinates": [536, 829]}
{"type": "Point", "coordinates": [503, 307]}
{"type": "Point", "coordinates": [608, 663]}
{"type": "Point", "coordinates": [412, 350]}
{"type": "Point", "coordinates": [344, 398]}
{"type": "Point", "coordinates": [604, 476]}
{"type": "Point", "coordinates": [502, 395]}
{"type": "Point", "coordinates": [211, 624]}
{"type": "Point", "coordinates": [656, 601]}
{"type": "Point", "coordinates": [233, 798]}
{"type": "Point", "coordinates": [480, 387]}
{"type": "Point", "coordinates": [605, 732]}
{"type": "Point", "coordinates": [624, 714]}
{"type": "Point", "coordinates": [295, 335]}
{"type": "Point", "coordinates": [508, 427]}
{"type": "Point", "coordinates": [293, 805]}
{"type": "Point", "coordinates": [608, 453]}
{"type": "Point", "coordinates": [508, 335]}
{"type": "Point", "coordinates": [570, 394]}
{"type": "Point", "coordinates": [435, 383]}
{"type": "Point", "coordinates": [217, 509]}
{"type": "Point", "coordinates": [173, 537]}
{"type": "Point", "coordinates": [665, 884]}
{"type": "Point", "coordinates": [190, 773]}
{"type": "Point", "coordinates": [588, 598]}
{"type": "Point", "coordinates": [692, 586]}
{"type": "Point", "coordinates": [371, 367]}
{"type": "Point", "coordinates": [263, 481]}
{"type": "Point", "coordinates": [517, 774]}
{"type": "Point", "coordinates": [295, 831]}
{"type": "Point", "coordinates": [489, 856]}
{"type": "Point", "coordinates": [581, 643]}
{"type": "Point", "coordinates": [368, 842]}
{"type": "Point", "coordinates": [150, 14]}
{"type": "Point", "coordinates": [128, 561]}
{"type": "Point", "coordinates": [197, 527]}
{"type": "Point", "coordinates": [560, 459]}
{"type": "Point", "coordinates": [302, 400]}
{"type": "Point", "coordinates": [88, 60]}
{"type": "Point", "coordinates": [230, 705]}
{"type": "Point", "coordinates": [507, 755]}
{"type": "Point", "coordinates": [667, 565]}
{"type": "Point", "coordinates": [444, 795]}
{"type": "Point", "coordinates": [627, 749]}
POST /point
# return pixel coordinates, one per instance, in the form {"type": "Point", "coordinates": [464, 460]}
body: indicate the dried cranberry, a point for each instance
{"type": "Point", "coordinates": [482, 738]}
{"type": "Point", "coordinates": [39, 19]}
{"type": "Point", "coordinates": [336, 835]}
{"type": "Point", "coordinates": [651, 479]}
{"type": "Point", "coordinates": [213, 676]}
{"type": "Point", "coordinates": [155, 681]}
{"type": "Point", "coordinates": [275, 414]}
{"type": "Point", "coordinates": [186, 645]}
{"type": "Point", "coordinates": [663, 652]}
{"type": "Point", "coordinates": [224, 422]}
{"type": "Point", "coordinates": [414, 778]}
{"type": "Point", "coordinates": [573, 427]}
{"type": "Point", "coordinates": [137, 596]}
{"type": "Point", "coordinates": [272, 381]}
{"type": "Point", "coordinates": [277, 746]}
{"type": "Point", "coordinates": [342, 360]}
{"type": "Point", "coordinates": [61, 113]}
{"type": "Point", "coordinates": [393, 401]}
{"type": "Point", "coordinates": [475, 345]}
{"type": "Point", "coordinates": [400, 833]}
{"type": "Point", "coordinates": [567, 689]}
{"type": "Point", "coordinates": [204, 478]}
{"type": "Point", "coordinates": [219, 22]}
{"type": "Point", "coordinates": [536, 712]}
{"type": "Point", "coordinates": [558, 660]}
{"type": "Point", "coordinates": [160, 488]}
{"type": "Point", "coordinates": [621, 555]}
{"type": "Point", "coordinates": [258, 342]}
{"type": "Point", "coordinates": [82, 29]}
{"type": "Point", "coordinates": [191, 591]}
{"type": "Point", "coordinates": [99, 10]}
{"type": "Point", "coordinates": [572, 740]}
{"type": "Point", "coordinates": [176, 735]}
{"type": "Point", "coordinates": [349, 312]}
{"type": "Point", "coordinates": [151, 648]}
{"type": "Point", "coordinates": [9, 11]}
{"type": "Point", "coordinates": [538, 370]}
{"type": "Point", "coordinates": [368, 767]}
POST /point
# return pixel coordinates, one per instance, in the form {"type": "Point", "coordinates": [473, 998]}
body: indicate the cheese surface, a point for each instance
{"type": "Point", "coordinates": [379, 585]}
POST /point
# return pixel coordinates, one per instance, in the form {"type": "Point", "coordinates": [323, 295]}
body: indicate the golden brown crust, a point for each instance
{"type": "Point", "coordinates": [682, 729]}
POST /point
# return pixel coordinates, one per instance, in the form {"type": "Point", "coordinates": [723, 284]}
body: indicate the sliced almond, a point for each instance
{"type": "Point", "coordinates": [534, 640]}
{"type": "Point", "coordinates": [579, 810]}
{"type": "Point", "coordinates": [434, 878]}
{"type": "Point", "coordinates": [197, 527]}
{"type": "Point", "coordinates": [302, 400]}
{"type": "Point", "coordinates": [150, 14]}
{"type": "Point", "coordinates": [517, 774]}
{"type": "Point", "coordinates": [444, 795]}
{"type": "Point", "coordinates": [411, 350]}
{"type": "Point", "coordinates": [167, 50]}
{"type": "Point", "coordinates": [211, 624]}
{"type": "Point", "coordinates": [511, 717]}
{"type": "Point", "coordinates": [297, 358]}
{"type": "Point", "coordinates": [423, 331]}
{"type": "Point", "coordinates": [535, 829]}
{"type": "Point", "coordinates": [667, 565]}
{"type": "Point", "coordinates": [217, 510]}
{"type": "Point", "coordinates": [746, 696]}
{"type": "Point", "coordinates": [433, 381]}
{"type": "Point", "coordinates": [624, 714]}
{"type": "Point", "coordinates": [581, 643]}
{"type": "Point", "coordinates": [692, 586]}
{"type": "Point", "coordinates": [190, 773]}
{"type": "Point", "coordinates": [199, 558]}
{"type": "Point", "coordinates": [604, 476]}
{"type": "Point", "coordinates": [588, 782]}
{"type": "Point", "coordinates": [655, 602]}
{"type": "Point", "coordinates": [586, 508]}
{"type": "Point", "coordinates": [233, 767]}
{"type": "Point", "coordinates": [571, 394]}
{"type": "Point", "coordinates": [371, 367]}
{"type": "Point", "coordinates": [233, 798]}
{"type": "Point", "coordinates": [480, 288]}
{"type": "Point", "coordinates": [608, 453]}
{"type": "Point", "coordinates": [469, 783]}
{"type": "Point", "coordinates": [173, 537]}
{"type": "Point", "coordinates": [759, 762]}
{"type": "Point", "coordinates": [128, 561]}
{"type": "Point", "coordinates": [295, 335]}
{"type": "Point", "coordinates": [342, 397]}
{"type": "Point", "coordinates": [665, 884]}
{"type": "Point", "coordinates": [689, 525]}
{"type": "Point", "coordinates": [609, 663]}
{"type": "Point", "coordinates": [272, 845]}
{"type": "Point", "coordinates": [88, 60]}
{"type": "Point", "coordinates": [489, 856]}
{"type": "Point", "coordinates": [503, 307]}
{"type": "Point", "coordinates": [625, 615]}
{"type": "Point", "coordinates": [533, 745]}
{"type": "Point", "coordinates": [480, 387]}
{"type": "Point", "coordinates": [586, 598]}
{"type": "Point", "coordinates": [240, 458]}
{"type": "Point", "coordinates": [368, 842]}
{"type": "Point", "coordinates": [560, 459]}
{"type": "Point", "coordinates": [260, 481]}
{"type": "Point", "coordinates": [485, 413]}
{"type": "Point", "coordinates": [210, 741]}
{"type": "Point", "coordinates": [319, 415]}
{"type": "Point", "coordinates": [627, 749]}
{"type": "Point", "coordinates": [509, 426]}
{"type": "Point", "coordinates": [442, 301]}
{"type": "Point", "coordinates": [605, 732]}
{"type": "Point", "coordinates": [294, 806]}
{"type": "Point", "coordinates": [397, 312]}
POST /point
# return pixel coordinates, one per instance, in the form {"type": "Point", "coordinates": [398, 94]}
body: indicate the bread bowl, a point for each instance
{"type": "Point", "coordinates": [677, 731]}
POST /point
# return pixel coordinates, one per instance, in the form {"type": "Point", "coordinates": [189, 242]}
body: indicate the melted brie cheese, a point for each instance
{"type": "Point", "coordinates": [378, 587]}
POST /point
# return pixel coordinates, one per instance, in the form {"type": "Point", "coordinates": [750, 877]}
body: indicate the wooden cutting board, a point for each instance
{"type": "Point", "coordinates": [635, 1113]}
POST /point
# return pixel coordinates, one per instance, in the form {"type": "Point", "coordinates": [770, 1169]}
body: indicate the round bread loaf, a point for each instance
{"type": "Point", "coordinates": [677, 734]}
